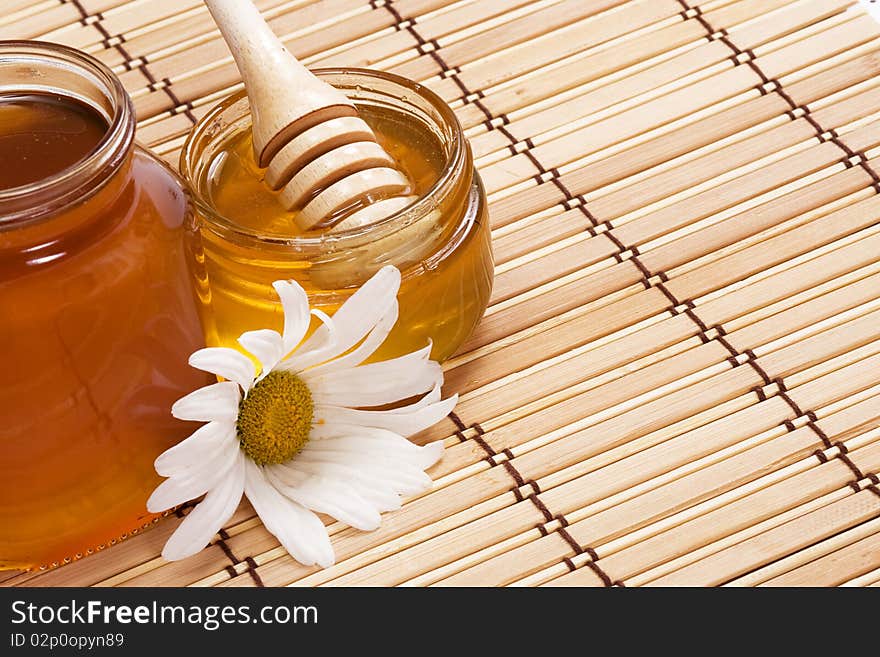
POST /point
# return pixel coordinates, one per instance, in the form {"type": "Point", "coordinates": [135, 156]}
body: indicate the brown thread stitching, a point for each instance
{"type": "Point", "coordinates": [221, 543]}
{"type": "Point", "coordinates": [755, 365]}
{"type": "Point", "coordinates": [689, 311]}
{"type": "Point", "coordinates": [514, 474]}
{"type": "Point", "coordinates": [461, 428]}
{"type": "Point", "coordinates": [562, 531]}
{"type": "Point", "coordinates": [452, 73]}
{"type": "Point", "coordinates": [673, 301]}
{"type": "Point", "coordinates": [730, 348]}
{"type": "Point", "coordinates": [252, 570]}
{"type": "Point", "coordinates": [226, 549]}
{"type": "Point", "coordinates": [479, 95]}
{"type": "Point", "coordinates": [590, 552]}
{"type": "Point", "coordinates": [142, 67]}
{"type": "Point", "coordinates": [512, 471]}
{"type": "Point", "coordinates": [457, 421]}
{"type": "Point", "coordinates": [592, 565]}
{"type": "Point", "coordinates": [488, 449]}
{"type": "Point", "coordinates": [541, 507]}
{"type": "Point", "coordinates": [812, 421]}
{"type": "Point", "coordinates": [539, 504]}
{"type": "Point", "coordinates": [186, 105]}
{"type": "Point", "coordinates": [783, 393]}
{"type": "Point", "coordinates": [446, 70]}
{"type": "Point", "coordinates": [704, 329]}
{"type": "Point", "coordinates": [759, 390]}
{"type": "Point", "coordinates": [555, 179]}
{"type": "Point", "coordinates": [842, 455]}
{"type": "Point", "coordinates": [777, 88]}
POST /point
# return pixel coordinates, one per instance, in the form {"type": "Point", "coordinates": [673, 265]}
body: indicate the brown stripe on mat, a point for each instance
{"type": "Point", "coordinates": [140, 64]}
{"type": "Point", "coordinates": [539, 504]}
{"type": "Point", "coordinates": [748, 57]}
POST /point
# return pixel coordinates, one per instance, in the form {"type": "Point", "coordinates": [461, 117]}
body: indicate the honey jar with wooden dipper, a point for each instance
{"type": "Point", "coordinates": [323, 177]}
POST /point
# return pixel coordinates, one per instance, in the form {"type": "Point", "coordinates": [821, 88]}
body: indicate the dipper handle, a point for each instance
{"type": "Point", "coordinates": [307, 133]}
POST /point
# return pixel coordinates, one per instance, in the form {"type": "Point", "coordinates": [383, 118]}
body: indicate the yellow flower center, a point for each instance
{"type": "Point", "coordinates": [275, 418]}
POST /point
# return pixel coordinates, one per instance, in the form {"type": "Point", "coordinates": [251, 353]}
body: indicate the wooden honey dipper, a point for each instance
{"type": "Point", "coordinates": [307, 134]}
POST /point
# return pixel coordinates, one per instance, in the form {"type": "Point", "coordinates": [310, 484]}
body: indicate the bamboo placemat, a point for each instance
{"type": "Point", "coordinates": [678, 379]}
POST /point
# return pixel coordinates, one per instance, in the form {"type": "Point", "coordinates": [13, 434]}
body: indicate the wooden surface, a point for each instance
{"type": "Point", "coordinates": [678, 379]}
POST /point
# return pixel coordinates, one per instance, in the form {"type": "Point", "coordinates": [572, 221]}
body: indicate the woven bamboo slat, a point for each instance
{"type": "Point", "coordinates": [676, 379]}
{"type": "Point", "coordinates": [696, 61]}
{"type": "Point", "coordinates": [871, 578]}
{"type": "Point", "coordinates": [554, 539]}
{"type": "Point", "coordinates": [833, 568]}
{"type": "Point", "coordinates": [796, 534]}
{"type": "Point", "coordinates": [763, 506]}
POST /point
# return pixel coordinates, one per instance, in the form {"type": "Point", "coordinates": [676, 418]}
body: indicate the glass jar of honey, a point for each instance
{"type": "Point", "coordinates": [97, 314]}
{"type": "Point", "coordinates": [243, 239]}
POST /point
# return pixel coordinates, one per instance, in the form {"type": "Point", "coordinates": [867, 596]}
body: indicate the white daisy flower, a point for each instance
{"type": "Point", "coordinates": [304, 437]}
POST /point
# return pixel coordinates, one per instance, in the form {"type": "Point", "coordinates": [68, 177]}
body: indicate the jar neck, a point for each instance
{"type": "Point", "coordinates": [36, 67]}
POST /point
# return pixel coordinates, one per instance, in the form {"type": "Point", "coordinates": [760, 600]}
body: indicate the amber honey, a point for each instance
{"type": "Point", "coordinates": [235, 184]}
{"type": "Point", "coordinates": [43, 134]}
{"type": "Point", "coordinates": [98, 317]}
{"type": "Point", "coordinates": [243, 239]}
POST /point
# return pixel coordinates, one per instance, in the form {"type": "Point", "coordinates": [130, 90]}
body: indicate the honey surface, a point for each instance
{"type": "Point", "coordinates": [446, 282]}
{"type": "Point", "coordinates": [236, 188]}
{"type": "Point", "coordinates": [43, 134]}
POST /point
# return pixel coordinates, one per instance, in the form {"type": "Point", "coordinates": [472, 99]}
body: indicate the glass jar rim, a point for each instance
{"type": "Point", "coordinates": [455, 163]}
{"type": "Point", "coordinates": [80, 180]}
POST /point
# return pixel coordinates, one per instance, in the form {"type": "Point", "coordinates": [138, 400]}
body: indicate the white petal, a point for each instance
{"type": "Point", "coordinates": [402, 477]}
{"type": "Point", "coordinates": [197, 479]}
{"type": "Point", "coordinates": [299, 530]}
{"type": "Point", "coordinates": [373, 490]}
{"type": "Point", "coordinates": [208, 516]}
{"type": "Point", "coordinates": [365, 349]}
{"type": "Point", "coordinates": [303, 358]}
{"type": "Point", "coordinates": [227, 363]}
{"type": "Point", "coordinates": [404, 421]}
{"type": "Point", "coordinates": [359, 314]}
{"type": "Point", "coordinates": [266, 345]}
{"type": "Point", "coordinates": [296, 313]}
{"type": "Point", "coordinates": [380, 441]}
{"type": "Point", "coordinates": [333, 497]}
{"type": "Point", "coordinates": [201, 445]}
{"type": "Point", "coordinates": [377, 383]}
{"type": "Point", "coordinates": [431, 453]}
{"type": "Point", "coordinates": [218, 401]}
